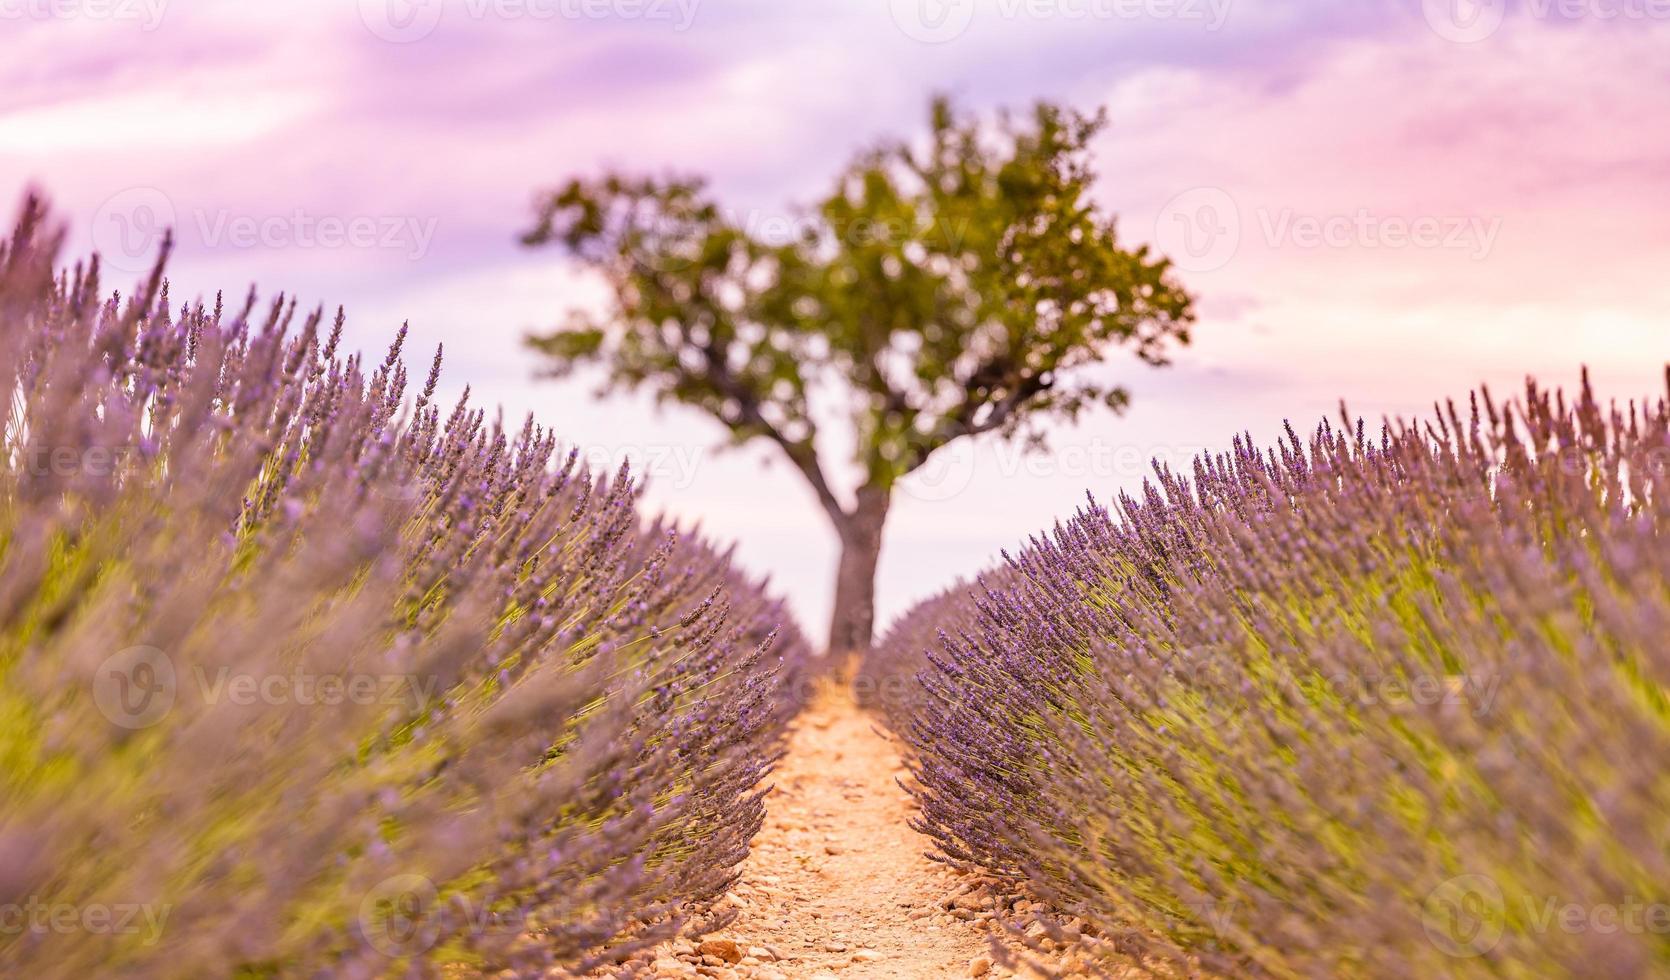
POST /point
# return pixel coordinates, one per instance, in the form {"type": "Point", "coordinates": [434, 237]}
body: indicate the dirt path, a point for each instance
{"type": "Point", "coordinates": [837, 885]}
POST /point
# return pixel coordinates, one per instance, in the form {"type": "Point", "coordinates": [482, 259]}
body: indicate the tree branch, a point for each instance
{"type": "Point", "coordinates": [802, 453]}
{"type": "Point", "coordinates": [961, 422]}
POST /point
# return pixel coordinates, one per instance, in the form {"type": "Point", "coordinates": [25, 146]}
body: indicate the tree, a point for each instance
{"type": "Point", "coordinates": [947, 288]}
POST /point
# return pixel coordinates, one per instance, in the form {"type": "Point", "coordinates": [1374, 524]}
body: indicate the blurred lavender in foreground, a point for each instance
{"type": "Point", "coordinates": [298, 678]}
{"type": "Point", "coordinates": [1389, 707]}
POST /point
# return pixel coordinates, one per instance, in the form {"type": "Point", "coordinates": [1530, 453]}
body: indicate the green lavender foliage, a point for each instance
{"type": "Point", "coordinates": [1389, 707]}
{"type": "Point", "coordinates": [302, 676]}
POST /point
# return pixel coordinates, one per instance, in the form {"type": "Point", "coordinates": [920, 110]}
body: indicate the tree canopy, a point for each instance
{"type": "Point", "coordinates": [948, 287]}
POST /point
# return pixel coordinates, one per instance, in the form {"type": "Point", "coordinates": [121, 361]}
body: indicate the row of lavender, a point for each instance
{"type": "Point", "coordinates": [1353, 706]}
{"type": "Point", "coordinates": [301, 675]}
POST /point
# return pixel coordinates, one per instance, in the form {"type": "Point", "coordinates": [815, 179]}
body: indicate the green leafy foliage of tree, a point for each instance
{"type": "Point", "coordinates": [946, 287]}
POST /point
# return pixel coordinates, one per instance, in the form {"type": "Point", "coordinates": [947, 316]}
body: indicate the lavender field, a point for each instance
{"type": "Point", "coordinates": [1396, 684]}
{"type": "Point", "coordinates": [911, 490]}
{"type": "Point", "coordinates": [548, 718]}
{"type": "Point", "coordinates": [1381, 704]}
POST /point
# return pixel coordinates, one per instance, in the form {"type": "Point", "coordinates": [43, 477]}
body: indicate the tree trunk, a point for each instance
{"type": "Point", "coordinates": [854, 619]}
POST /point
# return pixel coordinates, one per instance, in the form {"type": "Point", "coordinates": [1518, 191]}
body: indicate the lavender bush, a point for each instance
{"type": "Point", "coordinates": [1351, 706]}
{"type": "Point", "coordinates": [299, 676]}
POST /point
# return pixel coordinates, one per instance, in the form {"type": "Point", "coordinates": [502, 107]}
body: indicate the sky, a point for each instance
{"type": "Point", "coordinates": [1385, 203]}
